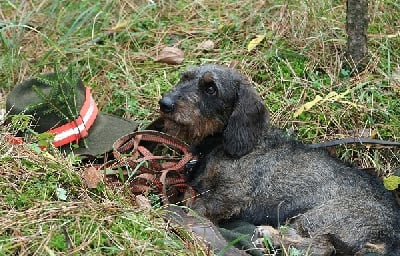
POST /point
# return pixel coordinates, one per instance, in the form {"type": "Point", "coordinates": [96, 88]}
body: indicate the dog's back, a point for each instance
{"type": "Point", "coordinates": [282, 179]}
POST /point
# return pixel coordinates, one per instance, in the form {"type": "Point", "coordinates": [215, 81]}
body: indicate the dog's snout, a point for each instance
{"type": "Point", "coordinates": [166, 105]}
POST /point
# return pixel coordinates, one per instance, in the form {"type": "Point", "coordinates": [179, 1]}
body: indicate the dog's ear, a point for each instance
{"type": "Point", "coordinates": [246, 124]}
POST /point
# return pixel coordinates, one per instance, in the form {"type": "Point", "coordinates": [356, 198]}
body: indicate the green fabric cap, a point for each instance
{"type": "Point", "coordinates": [25, 99]}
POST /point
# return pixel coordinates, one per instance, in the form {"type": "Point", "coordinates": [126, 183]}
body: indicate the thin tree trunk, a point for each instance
{"type": "Point", "coordinates": [356, 28]}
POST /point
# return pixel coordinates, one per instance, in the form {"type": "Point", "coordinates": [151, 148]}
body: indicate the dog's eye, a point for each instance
{"type": "Point", "coordinates": [211, 90]}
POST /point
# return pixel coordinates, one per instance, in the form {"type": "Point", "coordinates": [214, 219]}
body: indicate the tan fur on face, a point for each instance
{"type": "Point", "coordinates": [189, 124]}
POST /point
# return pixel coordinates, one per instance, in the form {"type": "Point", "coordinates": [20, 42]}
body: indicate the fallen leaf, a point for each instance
{"type": "Point", "coordinates": [206, 45]}
{"type": "Point", "coordinates": [170, 55]}
{"type": "Point", "coordinates": [307, 106]}
{"type": "Point", "coordinates": [2, 111]}
{"type": "Point", "coordinates": [92, 177]}
{"type": "Point", "coordinates": [233, 63]}
{"type": "Point", "coordinates": [335, 96]}
{"type": "Point", "coordinates": [61, 194]}
{"type": "Point", "coordinates": [254, 42]}
{"type": "Point", "coordinates": [331, 96]}
{"type": "Point", "coordinates": [395, 79]}
{"type": "Point", "coordinates": [14, 140]}
{"type": "Point", "coordinates": [120, 25]}
{"type": "Point", "coordinates": [48, 156]}
{"type": "Point", "coordinates": [364, 132]}
{"type": "Point", "coordinates": [49, 251]}
{"type": "Point", "coordinates": [142, 202]}
{"type": "Point", "coordinates": [391, 182]}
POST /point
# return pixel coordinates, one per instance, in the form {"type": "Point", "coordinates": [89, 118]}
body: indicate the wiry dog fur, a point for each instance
{"type": "Point", "coordinates": [251, 171]}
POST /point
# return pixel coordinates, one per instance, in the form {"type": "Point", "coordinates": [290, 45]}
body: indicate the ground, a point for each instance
{"type": "Point", "coordinates": [116, 46]}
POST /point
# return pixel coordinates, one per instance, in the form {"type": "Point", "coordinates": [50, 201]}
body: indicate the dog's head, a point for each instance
{"type": "Point", "coordinates": [211, 100]}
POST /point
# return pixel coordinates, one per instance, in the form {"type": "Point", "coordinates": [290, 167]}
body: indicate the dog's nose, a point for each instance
{"type": "Point", "coordinates": [166, 105]}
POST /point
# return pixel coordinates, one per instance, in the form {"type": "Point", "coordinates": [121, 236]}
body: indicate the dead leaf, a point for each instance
{"type": "Point", "coordinates": [395, 79]}
{"type": "Point", "coordinates": [391, 182]}
{"type": "Point", "coordinates": [120, 25]}
{"type": "Point", "coordinates": [331, 97]}
{"type": "Point", "coordinates": [170, 55]}
{"type": "Point", "coordinates": [142, 202]}
{"type": "Point", "coordinates": [233, 63]}
{"type": "Point", "coordinates": [307, 106]}
{"type": "Point", "coordinates": [254, 42]}
{"type": "Point", "coordinates": [364, 132]}
{"type": "Point", "coordinates": [206, 45]}
{"type": "Point", "coordinates": [92, 177]}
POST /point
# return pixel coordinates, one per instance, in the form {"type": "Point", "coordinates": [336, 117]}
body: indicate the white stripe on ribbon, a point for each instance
{"type": "Point", "coordinates": [78, 128]}
{"type": "Point", "coordinates": [82, 127]}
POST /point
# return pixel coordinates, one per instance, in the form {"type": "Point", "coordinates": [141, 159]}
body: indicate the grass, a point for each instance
{"type": "Point", "coordinates": [113, 45]}
{"type": "Point", "coordinates": [36, 220]}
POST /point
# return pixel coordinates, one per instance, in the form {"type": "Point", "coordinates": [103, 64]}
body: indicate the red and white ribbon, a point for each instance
{"type": "Point", "coordinates": [78, 128]}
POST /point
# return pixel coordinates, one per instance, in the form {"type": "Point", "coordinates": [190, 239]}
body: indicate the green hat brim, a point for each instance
{"type": "Point", "coordinates": [105, 131]}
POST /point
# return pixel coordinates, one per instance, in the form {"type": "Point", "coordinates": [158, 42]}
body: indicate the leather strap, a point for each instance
{"type": "Point", "coordinates": [147, 172]}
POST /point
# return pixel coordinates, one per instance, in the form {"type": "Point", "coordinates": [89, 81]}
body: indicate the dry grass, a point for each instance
{"type": "Point", "coordinates": [35, 220]}
{"type": "Point", "coordinates": [113, 44]}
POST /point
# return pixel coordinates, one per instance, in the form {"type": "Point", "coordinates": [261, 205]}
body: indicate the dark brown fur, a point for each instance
{"type": "Point", "coordinates": [253, 172]}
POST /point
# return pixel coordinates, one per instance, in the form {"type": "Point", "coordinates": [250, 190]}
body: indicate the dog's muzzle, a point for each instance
{"type": "Point", "coordinates": [166, 105]}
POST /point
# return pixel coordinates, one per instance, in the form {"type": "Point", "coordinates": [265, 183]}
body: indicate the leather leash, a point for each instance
{"type": "Point", "coordinates": [359, 141]}
{"type": "Point", "coordinates": [146, 172]}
